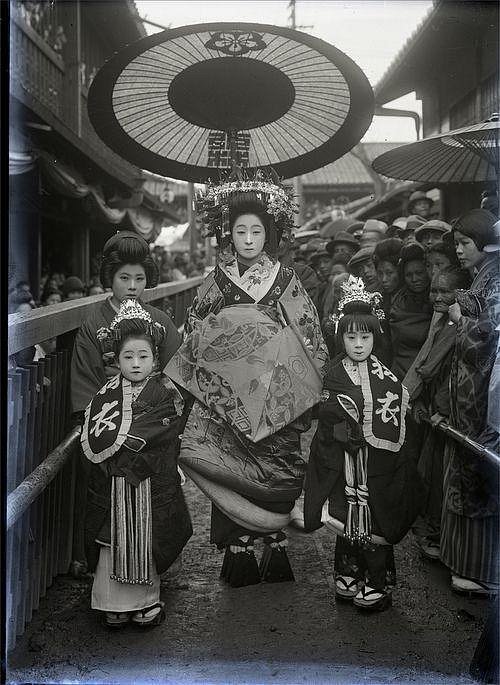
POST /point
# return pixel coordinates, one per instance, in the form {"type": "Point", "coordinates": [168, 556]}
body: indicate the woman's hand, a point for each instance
{"type": "Point", "coordinates": [437, 418]}
{"type": "Point", "coordinates": [454, 312]}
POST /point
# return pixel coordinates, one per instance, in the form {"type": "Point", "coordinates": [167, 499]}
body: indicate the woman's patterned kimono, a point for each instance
{"type": "Point", "coordinates": [469, 542]}
{"type": "Point", "coordinates": [268, 470]}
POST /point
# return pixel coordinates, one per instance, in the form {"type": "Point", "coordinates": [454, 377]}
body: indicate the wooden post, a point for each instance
{"type": "Point", "coordinates": [191, 220]}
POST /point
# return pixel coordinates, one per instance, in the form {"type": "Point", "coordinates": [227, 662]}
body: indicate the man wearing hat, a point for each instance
{"type": "Point", "coordinates": [431, 232]}
{"type": "Point", "coordinates": [373, 232]}
{"type": "Point", "coordinates": [398, 224]}
{"type": "Point", "coordinates": [407, 234]}
{"type": "Point", "coordinates": [420, 204]}
{"type": "Point", "coordinates": [362, 266]}
{"type": "Point", "coordinates": [343, 244]}
{"type": "Point", "coordinates": [355, 229]}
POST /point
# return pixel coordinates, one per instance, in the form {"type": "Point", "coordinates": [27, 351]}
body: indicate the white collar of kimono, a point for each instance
{"type": "Point", "coordinates": [257, 279]}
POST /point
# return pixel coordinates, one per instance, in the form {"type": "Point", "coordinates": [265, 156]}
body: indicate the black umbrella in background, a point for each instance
{"type": "Point", "coordinates": [189, 101]}
{"type": "Point", "coordinates": [464, 155]}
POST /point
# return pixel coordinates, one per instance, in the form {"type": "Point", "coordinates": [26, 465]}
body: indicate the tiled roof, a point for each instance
{"type": "Point", "coordinates": [349, 169]}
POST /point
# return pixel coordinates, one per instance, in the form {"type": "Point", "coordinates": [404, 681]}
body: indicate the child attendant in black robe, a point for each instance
{"type": "Point", "coordinates": [136, 521]}
{"type": "Point", "coordinates": [357, 462]}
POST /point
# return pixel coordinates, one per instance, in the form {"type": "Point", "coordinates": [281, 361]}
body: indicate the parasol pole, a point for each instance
{"type": "Point", "coordinates": [191, 219]}
{"type": "Point", "coordinates": [474, 446]}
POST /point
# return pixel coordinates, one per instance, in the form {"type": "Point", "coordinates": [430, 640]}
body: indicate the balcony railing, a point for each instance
{"type": "Point", "coordinates": [36, 67]}
{"type": "Point", "coordinates": [51, 71]}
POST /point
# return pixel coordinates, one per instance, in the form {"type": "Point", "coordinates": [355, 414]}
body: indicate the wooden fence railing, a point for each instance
{"type": "Point", "coordinates": [41, 473]}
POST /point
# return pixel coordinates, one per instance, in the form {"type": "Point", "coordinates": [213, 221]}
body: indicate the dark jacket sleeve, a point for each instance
{"type": "Point", "coordinates": [173, 338]}
{"type": "Point", "coordinates": [87, 368]}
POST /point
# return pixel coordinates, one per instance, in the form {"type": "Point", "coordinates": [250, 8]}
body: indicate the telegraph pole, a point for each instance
{"type": "Point", "coordinates": [297, 180]}
{"type": "Point", "coordinates": [291, 14]}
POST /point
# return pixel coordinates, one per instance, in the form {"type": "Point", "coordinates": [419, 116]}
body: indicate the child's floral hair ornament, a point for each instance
{"type": "Point", "coordinates": [214, 205]}
{"type": "Point", "coordinates": [131, 319]}
{"type": "Point", "coordinates": [357, 297]}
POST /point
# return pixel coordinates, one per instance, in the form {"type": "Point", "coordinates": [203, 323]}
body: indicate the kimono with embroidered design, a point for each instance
{"type": "Point", "coordinates": [270, 469]}
{"type": "Point", "coordinates": [472, 485]}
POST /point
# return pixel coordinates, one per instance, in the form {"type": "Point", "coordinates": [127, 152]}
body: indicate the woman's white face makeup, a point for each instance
{"type": "Point", "coordinates": [249, 237]}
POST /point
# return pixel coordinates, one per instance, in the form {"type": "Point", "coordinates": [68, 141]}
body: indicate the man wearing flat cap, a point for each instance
{"type": "Point", "coordinates": [362, 266]}
{"type": "Point", "coordinates": [355, 229]}
{"type": "Point", "coordinates": [407, 234]}
{"type": "Point", "coordinates": [420, 204]}
{"type": "Point", "coordinates": [431, 232]}
{"type": "Point", "coordinates": [373, 232]}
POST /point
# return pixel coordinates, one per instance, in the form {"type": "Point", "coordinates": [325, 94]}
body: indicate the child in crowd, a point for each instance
{"type": "Point", "coordinates": [358, 461]}
{"type": "Point", "coordinates": [137, 522]}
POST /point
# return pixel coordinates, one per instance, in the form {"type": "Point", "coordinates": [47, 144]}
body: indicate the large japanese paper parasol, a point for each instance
{"type": "Point", "coordinates": [464, 155]}
{"type": "Point", "coordinates": [188, 101]}
{"type": "Point", "coordinates": [255, 374]}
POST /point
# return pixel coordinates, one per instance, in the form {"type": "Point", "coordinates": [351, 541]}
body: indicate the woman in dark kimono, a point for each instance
{"type": "Point", "coordinates": [252, 358]}
{"type": "Point", "coordinates": [427, 382]}
{"type": "Point", "coordinates": [358, 462]}
{"type": "Point", "coordinates": [469, 539]}
{"type": "Point", "coordinates": [136, 518]}
{"type": "Point", "coordinates": [127, 268]}
{"type": "Point", "coordinates": [410, 310]}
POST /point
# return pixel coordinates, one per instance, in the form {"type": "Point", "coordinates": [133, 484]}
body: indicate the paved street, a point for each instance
{"type": "Point", "coordinates": [282, 633]}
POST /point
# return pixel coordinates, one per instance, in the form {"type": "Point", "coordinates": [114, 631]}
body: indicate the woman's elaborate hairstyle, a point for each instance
{"type": "Point", "coordinates": [357, 310]}
{"type": "Point", "coordinates": [388, 250]}
{"type": "Point", "coordinates": [137, 329]}
{"type": "Point", "coordinates": [272, 202]}
{"type": "Point", "coordinates": [132, 321]}
{"type": "Point", "coordinates": [358, 316]}
{"type": "Point", "coordinates": [127, 248]}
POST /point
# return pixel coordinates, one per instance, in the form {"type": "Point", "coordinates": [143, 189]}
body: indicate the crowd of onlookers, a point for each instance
{"type": "Point", "coordinates": [440, 293]}
{"type": "Point", "coordinates": [178, 267]}
{"type": "Point", "coordinates": [58, 287]}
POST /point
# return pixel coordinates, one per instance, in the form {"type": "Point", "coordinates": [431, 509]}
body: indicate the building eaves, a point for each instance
{"type": "Point", "coordinates": [349, 170]}
{"type": "Point", "coordinates": [136, 16]}
{"type": "Point", "coordinates": [384, 89]}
